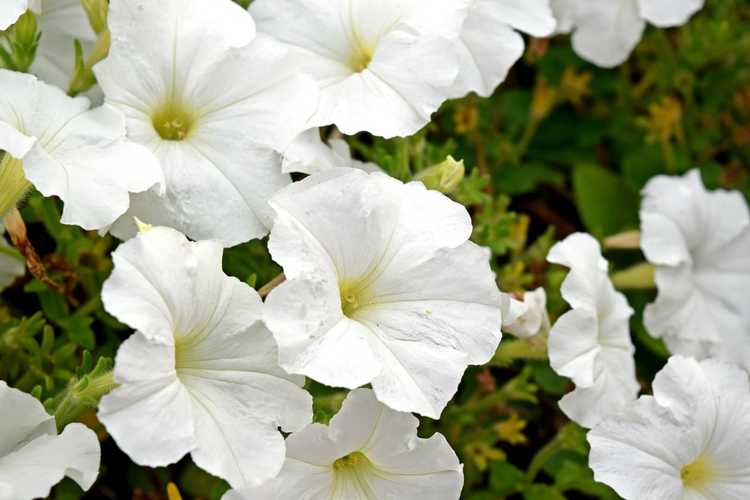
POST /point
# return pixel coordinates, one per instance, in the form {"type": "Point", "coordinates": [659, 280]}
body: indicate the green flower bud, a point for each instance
{"type": "Point", "coordinates": [96, 11]}
{"type": "Point", "coordinates": [13, 182]}
{"type": "Point", "coordinates": [444, 177]}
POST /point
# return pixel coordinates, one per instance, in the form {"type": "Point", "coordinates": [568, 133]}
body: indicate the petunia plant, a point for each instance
{"type": "Point", "coordinates": [358, 249]}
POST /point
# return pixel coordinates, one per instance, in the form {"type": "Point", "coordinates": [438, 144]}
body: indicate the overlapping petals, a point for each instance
{"type": "Point", "coordinates": [308, 154]}
{"type": "Point", "coordinates": [605, 33]}
{"type": "Point", "coordinates": [368, 451]}
{"type": "Point", "coordinates": [591, 343]}
{"type": "Point", "coordinates": [211, 101]}
{"type": "Point", "coordinates": [688, 440]}
{"type": "Point", "coordinates": [33, 457]}
{"type": "Point", "coordinates": [70, 151]}
{"type": "Point", "coordinates": [529, 317]}
{"type": "Point", "coordinates": [699, 242]}
{"type": "Point", "coordinates": [489, 46]}
{"type": "Point", "coordinates": [382, 287]}
{"type": "Point", "coordinates": [200, 375]}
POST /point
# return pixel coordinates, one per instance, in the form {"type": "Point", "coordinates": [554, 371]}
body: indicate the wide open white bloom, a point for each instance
{"type": "Point", "coordinates": [384, 67]}
{"type": "Point", "coordinates": [209, 99]}
{"type": "Point", "coordinates": [606, 32]}
{"type": "Point", "coordinates": [308, 154]}
{"type": "Point", "coordinates": [201, 374]}
{"type": "Point", "coordinates": [70, 151]}
{"type": "Point", "coordinates": [382, 288]}
{"type": "Point", "coordinates": [590, 344]}
{"type": "Point", "coordinates": [532, 318]}
{"type": "Point", "coordinates": [10, 11]}
{"type": "Point", "coordinates": [12, 264]}
{"type": "Point", "coordinates": [367, 452]}
{"type": "Point", "coordinates": [33, 457]}
{"type": "Point", "coordinates": [489, 45]}
{"type": "Point", "coordinates": [689, 441]}
{"type": "Point", "coordinates": [699, 242]}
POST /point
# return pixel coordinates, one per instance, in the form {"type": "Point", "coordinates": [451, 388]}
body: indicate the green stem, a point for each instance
{"type": "Point", "coordinates": [637, 277]}
{"type": "Point", "coordinates": [82, 396]}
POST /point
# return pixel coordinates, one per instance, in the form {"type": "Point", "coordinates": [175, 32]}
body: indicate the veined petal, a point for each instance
{"type": "Point", "coordinates": [150, 414]}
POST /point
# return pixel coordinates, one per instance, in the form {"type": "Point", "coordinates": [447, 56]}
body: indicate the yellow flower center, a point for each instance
{"type": "Point", "coordinates": [698, 474]}
{"type": "Point", "coordinates": [353, 297]}
{"type": "Point", "coordinates": [174, 121]}
{"type": "Point", "coordinates": [353, 460]}
{"type": "Point", "coordinates": [361, 58]}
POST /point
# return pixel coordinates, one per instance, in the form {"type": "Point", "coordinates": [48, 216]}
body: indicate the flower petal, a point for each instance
{"type": "Point", "coordinates": [150, 414]}
{"type": "Point", "coordinates": [606, 32]}
{"type": "Point", "coordinates": [33, 469]}
{"type": "Point", "coordinates": [10, 11]}
{"type": "Point", "coordinates": [668, 13]}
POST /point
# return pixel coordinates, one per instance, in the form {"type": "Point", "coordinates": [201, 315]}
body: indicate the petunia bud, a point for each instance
{"type": "Point", "coordinates": [25, 29]}
{"type": "Point", "coordinates": [14, 183]}
{"type": "Point", "coordinates": [444, 176]}
{"type": "Point", "coordinates": [96, 10]}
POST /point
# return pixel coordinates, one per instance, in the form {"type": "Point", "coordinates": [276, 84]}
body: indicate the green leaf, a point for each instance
{"type": "Point", "coordinates": [606, 204]}
{"type": "Point", "coordinates": [506, 478]}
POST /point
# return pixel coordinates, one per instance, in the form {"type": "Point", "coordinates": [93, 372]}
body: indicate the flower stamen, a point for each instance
{"type": "Point", "coordinates": [174, 121]}
{"type": "Point", "coordinates": [698, 473]}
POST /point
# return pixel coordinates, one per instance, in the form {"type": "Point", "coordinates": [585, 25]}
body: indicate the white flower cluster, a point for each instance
{"type": "Point", "coordinates": [206, 109]}
{"type": "Point", "coordinates": [690, 439]}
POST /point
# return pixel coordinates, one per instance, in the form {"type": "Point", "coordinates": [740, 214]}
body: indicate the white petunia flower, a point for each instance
{"type": "Point", "coordinates": [384, 67]}
{"type": "Point", "coordinates": [12, 265]}
{"type": "Point", "coordinates": [67, 150]}
{"type": "Point", "coordinates": [308, 154]}
{"type": "Point", "coordinates": [699, 242]}
{"type": "Point", "coordinates": [10, 11]}
{"type": "Point", "coordinates": [368, 451]}
{"type": "Point", "coordinates": [606, 32]}
{"type": "Point", "coordinates": [590, 344]}
{"type": "Point", "coordinates": [383, 287]}
{"type": "Point", "coordinates": [489, 45]}
{"type": "Point", "coordinates": [200, 375]}
{"type": "Point", "coordinates": [689, 440]}
{"type": "Point", "coordinates": [533, 317]}
{"type": "Point", "coordinates": [33, 457]}
{"type": "Point", "coordinates": [209, 99]}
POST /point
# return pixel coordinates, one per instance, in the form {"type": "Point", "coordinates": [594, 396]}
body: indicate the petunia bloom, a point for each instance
{"type": "Point", "coordinates": [687, 441]}
{"type": "Point", "coordinates": [488, 44]}
{"type": "Point", "coordinates": [384, 67]}
{"type": "Point", "coordinates": [200, 375]}
{"type": "Point", "coordinates": [699, 242]}
{"type": "Point", "coordinates": [67, 150]}
{"type": "Point", "coordinates": [383, 287]}
{"type": "Point", "coordinates": [33, 457]}
{"type": "Point", "coordinates": [209, 99]}
{"type": "Point", "coordinates": [605, 33]}
{"type": "Point", "coordinates": [532, 318]}
{"type": "Point", "coordinates": [11, 263]}
{"type": "Point", "coordinates": [591, 343]}
{"type": "Point", "coordinates": [367, 451]}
